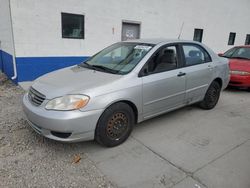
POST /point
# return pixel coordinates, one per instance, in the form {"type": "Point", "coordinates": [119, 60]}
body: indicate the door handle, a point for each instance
{"type": "Point", "coordinates": [181, 74]}
{"type": "Point", "coordinates": [210, 67]}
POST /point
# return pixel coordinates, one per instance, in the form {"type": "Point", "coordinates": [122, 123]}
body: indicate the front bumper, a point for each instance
{"type": "Point", "coordinates": [239, 81]}
{"type": "Point", "coordinates": [66, 126]}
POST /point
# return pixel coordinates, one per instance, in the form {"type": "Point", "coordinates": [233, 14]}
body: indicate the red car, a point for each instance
{"type": "Point", "coordinates": [239, 62]}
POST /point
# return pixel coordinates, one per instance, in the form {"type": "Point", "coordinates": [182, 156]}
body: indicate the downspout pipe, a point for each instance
{"type": "Point", "coordinates": [13, 43]}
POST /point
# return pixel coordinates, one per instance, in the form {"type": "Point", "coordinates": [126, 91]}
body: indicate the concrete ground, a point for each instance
{"type": "Point", "coordinates": [187, 148]}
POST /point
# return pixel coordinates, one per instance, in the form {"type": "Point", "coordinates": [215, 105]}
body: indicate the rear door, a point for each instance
{"type": "Point", "coordinates": [163, 82]}
{"type": "Point", "coordinates": [199, 71]}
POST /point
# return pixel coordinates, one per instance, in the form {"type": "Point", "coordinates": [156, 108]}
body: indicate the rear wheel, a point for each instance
{"type": "Point", "coordinates": [212, 96]}
{"type": "Point", "coordinates": [115, 125]}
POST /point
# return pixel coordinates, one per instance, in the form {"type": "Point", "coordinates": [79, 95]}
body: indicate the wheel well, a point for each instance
{"type": "Point", "coordinates": [132, 105]}
{"type": "Point", "coordinates": [219, 81]}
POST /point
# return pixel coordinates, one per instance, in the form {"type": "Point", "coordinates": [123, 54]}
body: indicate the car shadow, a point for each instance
{"type": "Point", "coordinates": [236, 89]}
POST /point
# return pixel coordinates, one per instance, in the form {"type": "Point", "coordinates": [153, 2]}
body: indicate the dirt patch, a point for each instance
{"type": "Point", "coordinates": [29, 160]}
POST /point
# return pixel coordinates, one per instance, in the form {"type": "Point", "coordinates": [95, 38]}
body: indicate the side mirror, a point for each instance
{"type": "Point", "coordinates": [143, 72]}
{"type": "Point", "coordinates": [220, 54]}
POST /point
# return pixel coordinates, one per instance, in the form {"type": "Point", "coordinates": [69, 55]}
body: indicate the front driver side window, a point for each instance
{"type": "Point", "coordinates": [164, 60]}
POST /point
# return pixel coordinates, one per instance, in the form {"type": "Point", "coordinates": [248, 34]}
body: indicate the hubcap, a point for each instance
{"type": "Point", "coordinates": [117, 126]}
{"type": "Point", "coordinates": [213, 95]}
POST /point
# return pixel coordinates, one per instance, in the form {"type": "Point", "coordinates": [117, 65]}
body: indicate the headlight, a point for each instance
{"type": "Point", "coordinates": [243, 73]}
{"type": "Point", "coordinates": [67, 102]}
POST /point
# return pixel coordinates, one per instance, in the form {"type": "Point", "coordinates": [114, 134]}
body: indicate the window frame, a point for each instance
{"type": "Point", "coordinates": [179, 60]}
{"type": "Point", "coordinates": [199, 47]}
{"type": "Point", "coordinates": [231, 34]}
{"type": "Point", "coordinates": [83, 25]}
{"type": "Point", "coordinates": [201, 36]}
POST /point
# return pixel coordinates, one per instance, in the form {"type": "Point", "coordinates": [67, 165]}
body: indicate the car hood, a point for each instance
{"type": "Point", "coordinates": [239, 64]}
{"type": "Point", "coordinates": [72, 80]}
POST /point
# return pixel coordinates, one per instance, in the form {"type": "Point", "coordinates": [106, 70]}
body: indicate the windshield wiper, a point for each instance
{"type": "Point", "coordinates": [237, 57]}
{"type": "Point", "coordinates": [105, 69]}
{"type": "Point", "coordinates": [100, 67]}
{"type": "Point", "coordinates": [86, 65]}
{"type": "Point", "coordinates": [225, 56]}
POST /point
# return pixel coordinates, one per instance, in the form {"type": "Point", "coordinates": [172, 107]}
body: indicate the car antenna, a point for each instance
{"type": "Point", "coordinates": [182, 25]}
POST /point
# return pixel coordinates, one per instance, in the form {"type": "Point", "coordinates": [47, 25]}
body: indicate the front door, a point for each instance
{"type": "Point", "coordinates": [130, 31]}
{"type": "Point", "coordinates": [163, 82]}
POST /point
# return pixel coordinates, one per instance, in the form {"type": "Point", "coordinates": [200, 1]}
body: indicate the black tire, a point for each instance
{"type": "Point", "coordinates": [115, 125]}
{"type": "Point", "coordinates": [212, 96]}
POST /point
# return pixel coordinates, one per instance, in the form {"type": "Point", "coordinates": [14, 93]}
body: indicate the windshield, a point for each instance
{"type": "Point", "coordinates": [119, 58]}
{"type": "Point", "coordinates": [238, 52]}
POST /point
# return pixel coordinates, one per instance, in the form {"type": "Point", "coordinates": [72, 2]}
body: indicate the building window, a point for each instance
{"type": "Point", "coordinates": [247, 39]}
{"type": "Point", "coordinates": [72, 26]}
{"type": "Point", "coordinates": [198, 33]}
{"type": "Point", "coordinates": [231, 38]}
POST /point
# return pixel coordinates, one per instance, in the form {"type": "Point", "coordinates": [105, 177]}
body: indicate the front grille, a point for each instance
{"type": "Point", "coordinates": [36, 97]}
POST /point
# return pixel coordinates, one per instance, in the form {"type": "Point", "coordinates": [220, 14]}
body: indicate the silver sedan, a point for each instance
{"type": "Point", "coordinates": [124, 84]}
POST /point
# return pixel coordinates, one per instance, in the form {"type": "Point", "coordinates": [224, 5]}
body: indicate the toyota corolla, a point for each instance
{"type": "Point", "coordinates": [124, 84]}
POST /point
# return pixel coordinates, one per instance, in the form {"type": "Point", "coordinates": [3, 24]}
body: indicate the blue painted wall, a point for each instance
{"type": "Point", "coordinates": [1, 61]}
{"type": "Point", "coordinates": [7, 64]}
{"type": "Point", "coordinates": [30, 68]}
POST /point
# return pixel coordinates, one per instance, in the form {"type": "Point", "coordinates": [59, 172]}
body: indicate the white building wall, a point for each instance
{"type": "Point", "coordinates": [6, 40]}
{"type": "Point", "coordinates": [37, 23]}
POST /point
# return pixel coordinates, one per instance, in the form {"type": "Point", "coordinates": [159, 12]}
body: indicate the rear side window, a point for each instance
{"type": "Point", "coordinates": [195, 55]}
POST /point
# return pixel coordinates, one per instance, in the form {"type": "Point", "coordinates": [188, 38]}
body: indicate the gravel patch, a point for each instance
{"type": "Point", "coordinates": [30, 160]}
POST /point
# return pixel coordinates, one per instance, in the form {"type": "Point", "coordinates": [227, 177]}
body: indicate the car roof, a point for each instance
{"type": "Point", "coordinates": [159, 40]}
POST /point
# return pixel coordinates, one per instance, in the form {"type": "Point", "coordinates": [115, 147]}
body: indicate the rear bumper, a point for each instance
{"type": "Point", "coordinates": [239, 81]}
{"type": "Point", "coordinates": [65, 126]}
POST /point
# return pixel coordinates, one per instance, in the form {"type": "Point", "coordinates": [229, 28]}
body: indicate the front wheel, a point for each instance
{"type": "Point", "coordinates": [212, 96]}
{"type": "Point", "coordinates": [115, 125]}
